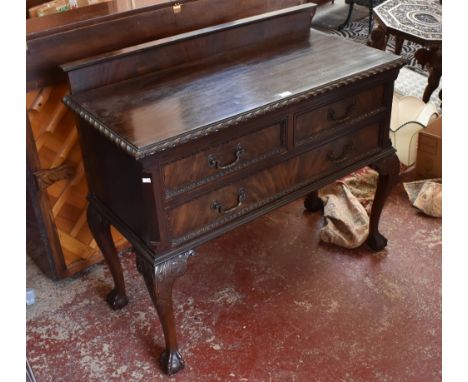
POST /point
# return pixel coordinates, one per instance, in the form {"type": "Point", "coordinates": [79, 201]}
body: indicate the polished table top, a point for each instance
{"type": "Point", "coordinates": [152, 109]}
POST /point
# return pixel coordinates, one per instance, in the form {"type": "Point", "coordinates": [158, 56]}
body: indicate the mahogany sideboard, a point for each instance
{"type": "Point", "coordinates": [58, 237]}
{"type": "Point", "coordinates": [188, 137]}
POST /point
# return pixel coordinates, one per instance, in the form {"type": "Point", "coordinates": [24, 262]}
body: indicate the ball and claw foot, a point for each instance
{"type": "Point", "coordinates": [115, 300]}
{"type": "Point", "coordinates": [313, 203]}
{"type": "Point", "coordinates": [377, 242]}
{"type": "Point", "coordinates": [171, 362]}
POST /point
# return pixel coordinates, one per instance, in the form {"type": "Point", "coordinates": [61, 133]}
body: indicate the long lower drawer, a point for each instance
{"type": "Point", "coordinates": [224, 204]}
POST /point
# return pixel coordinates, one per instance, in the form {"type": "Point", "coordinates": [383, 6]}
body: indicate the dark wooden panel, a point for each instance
{"type": "Point", "coordinates": [251, 33]}
{"type": "Point", "coordinates": [270, 184]}
{"type": "Point", "coordinates": [91, 16]}
{"type": "Point", "coordinates": [190, 16]}
{"type": "Point", "coordinates": [189, 172]}
{"type": "Point", "coordinates": [46, 54]}
{"type": "Point", "coordinates": [115, 177]}
{"type": "Point", "coordinates": [56, 39]}
{"type": "Point", "coordinates": [309, 123]}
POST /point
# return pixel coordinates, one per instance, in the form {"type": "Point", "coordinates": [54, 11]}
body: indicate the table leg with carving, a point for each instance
{"type": "Point", "coordinates": [100, 228]}
{"type": "Point", "coordinates": [312, 202]}
{"type": "Point", "coordinates": [432, 59]}
{"type": "Point", "coordinates": [159, 280]}
{"type": "Point", "coordinates": [378, 38]}
{"type": "Point", "coordinates": [388, 169]}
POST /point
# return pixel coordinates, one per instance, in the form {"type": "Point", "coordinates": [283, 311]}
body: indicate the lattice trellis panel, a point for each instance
{"type": "Point", "coordinates": [55, 135]}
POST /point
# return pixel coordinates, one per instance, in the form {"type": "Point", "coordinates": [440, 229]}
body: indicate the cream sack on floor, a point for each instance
{"type": "Point", "coordinates": [347, 204]}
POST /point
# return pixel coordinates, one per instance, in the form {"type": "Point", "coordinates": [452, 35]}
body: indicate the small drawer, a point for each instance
{"type": "Point", "coordinates": [313, 124]}
{"type": "Point", "coordinates": [220, 206]}
{"type": "Point", "coordinates": [197, 169]}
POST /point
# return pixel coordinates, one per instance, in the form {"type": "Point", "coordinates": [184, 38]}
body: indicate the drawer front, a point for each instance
{"type": "Point", "coordinates": [218, 207]}
{"type": "Point", "coordinates": [204, 166]}
{"type": "Point", "coordinates": [313, 124]}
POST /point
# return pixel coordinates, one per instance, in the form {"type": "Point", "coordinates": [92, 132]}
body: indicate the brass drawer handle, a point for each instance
{"type": "Point", "coordinates": [346, 115]}
{"type": "Point", "coordinates": [241, 197]}
{"type": "Point", "coordinates": [212, 162]}
{"type": "Point", "coordinates": [347, 149]}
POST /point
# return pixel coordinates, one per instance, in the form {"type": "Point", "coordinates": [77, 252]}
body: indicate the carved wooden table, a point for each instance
{"type": "Point", "coordinates": [188, 137]}
{"type": "Point", "coordinates": [415, 20]}
{"type": "Point", "coordinates": [58, 237]}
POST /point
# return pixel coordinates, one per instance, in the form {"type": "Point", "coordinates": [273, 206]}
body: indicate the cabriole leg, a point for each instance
{"type": "Point", "coordinates": [100, 229]}
{"type": "Point", "coordinates": [159, 280]}
{"type": "Point", "coordinates": [388, 169]}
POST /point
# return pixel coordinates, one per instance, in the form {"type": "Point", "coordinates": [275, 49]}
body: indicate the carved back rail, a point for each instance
{"type": "Point", "coordinates": [85, 32]}
{"type": "Point", "coordinates": [231, 38]}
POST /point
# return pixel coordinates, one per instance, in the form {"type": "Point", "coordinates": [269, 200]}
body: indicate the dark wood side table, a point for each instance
{"type": "Point", "coordinates": [419, 21]}
{"type": "Point", "coordinates": [189, 137]}
{"type": "Point", "coordinates": [58, 237]}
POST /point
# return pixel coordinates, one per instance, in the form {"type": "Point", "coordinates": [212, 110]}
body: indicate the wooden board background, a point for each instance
{"type": "Point", "coordinates": [56, 140]}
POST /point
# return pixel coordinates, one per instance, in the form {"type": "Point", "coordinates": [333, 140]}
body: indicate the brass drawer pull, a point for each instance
{"type": "Point", "coordinates": [212, 162]}
{"type": "Point", "coordinates": [347, 149]}
{"type": "Point", "coordinates": [241, 197]}
{"type": "Point", "coordinates": [346, 115]}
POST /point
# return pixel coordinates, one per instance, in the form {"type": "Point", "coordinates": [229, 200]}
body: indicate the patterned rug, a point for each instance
{"type": "Point", "coordinates": [358, 31]}
{"type": "Point", "coordinates": [412, 83]}
{"type": "Point", "coordinates": [412, 79]}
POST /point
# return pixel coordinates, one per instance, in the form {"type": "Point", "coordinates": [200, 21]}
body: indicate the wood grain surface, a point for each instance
{"type": "Point", "coordinates": [56, 39]}
{"type": "Point", "coordinates": [153, 109]}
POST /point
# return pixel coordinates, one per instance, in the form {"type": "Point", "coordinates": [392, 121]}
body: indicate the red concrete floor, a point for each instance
{"type": "Point", "coordinates": [266, 302]}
